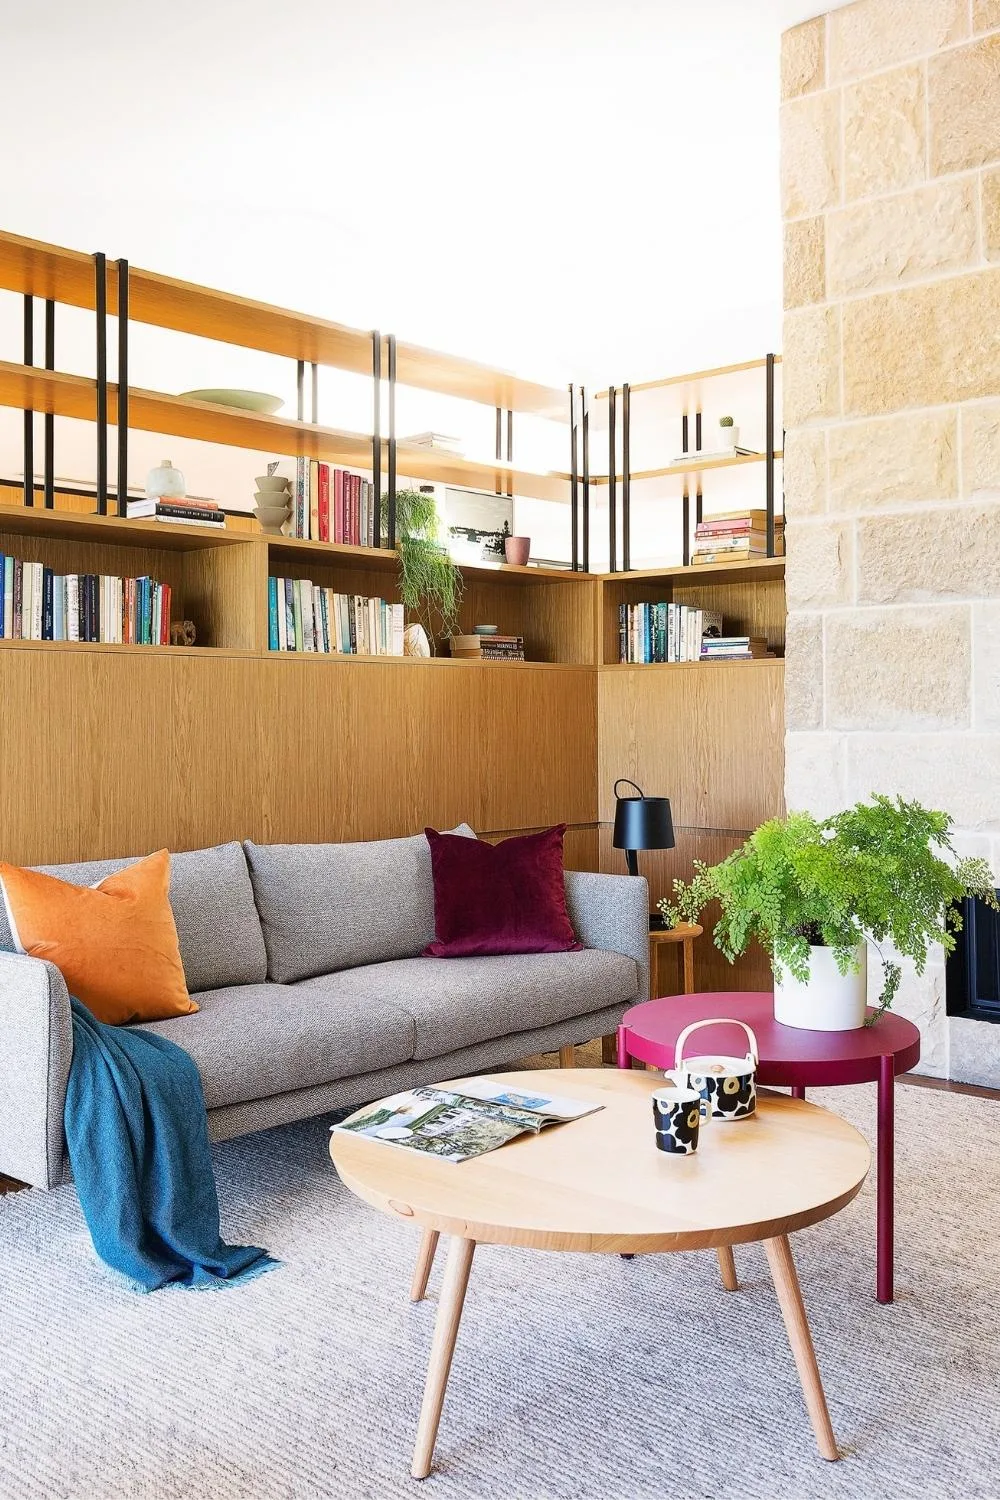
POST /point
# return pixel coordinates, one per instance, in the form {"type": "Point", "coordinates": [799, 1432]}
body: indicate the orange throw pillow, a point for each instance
{"type": "Point", "coordinates": [115, 942]}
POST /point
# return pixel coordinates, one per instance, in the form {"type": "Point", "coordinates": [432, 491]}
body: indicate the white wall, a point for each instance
{"type": "Point", "coordinates": [579, 192]}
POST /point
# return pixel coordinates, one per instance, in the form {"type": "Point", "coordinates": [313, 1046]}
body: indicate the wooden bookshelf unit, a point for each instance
{"type": "Point", "coordinates": [114, 749]}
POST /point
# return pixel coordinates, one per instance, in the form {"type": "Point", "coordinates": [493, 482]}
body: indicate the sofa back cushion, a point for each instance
{"type": "Point", "coordinates": [325, 907]}
{"type": "Point", "coordinates": [211, 898]}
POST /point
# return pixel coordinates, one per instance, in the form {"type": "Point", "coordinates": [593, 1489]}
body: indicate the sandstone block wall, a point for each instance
{"type": "Point", "coordinates": [890, 182]}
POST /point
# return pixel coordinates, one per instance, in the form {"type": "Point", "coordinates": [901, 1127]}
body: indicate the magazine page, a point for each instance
{"type": "Point", "coordinates": [443, 1124]}
{"type": "Point", "coordinates": [552, 1106]}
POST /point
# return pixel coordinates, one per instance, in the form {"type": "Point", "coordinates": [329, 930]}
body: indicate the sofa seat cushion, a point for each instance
{"type": "Point", "coordinates": [458, 1002]}
{"type": "Point", "coordinates": [254, 1040]}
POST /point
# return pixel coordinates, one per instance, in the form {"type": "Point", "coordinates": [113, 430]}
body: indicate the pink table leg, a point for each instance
{"type": "Point", "coordinates": [885, 1182]}
{"type": "Point", "coordinates": [624, 1060]}
{"type": "Point", "coordinates": [798, 1091]}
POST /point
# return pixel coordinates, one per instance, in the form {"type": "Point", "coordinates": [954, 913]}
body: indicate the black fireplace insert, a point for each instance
{"type": "Point", "coordinates": [972, 975]}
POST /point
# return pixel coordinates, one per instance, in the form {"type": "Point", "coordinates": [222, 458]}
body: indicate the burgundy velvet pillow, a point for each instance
{"type": "Point", "coordinates": [499, 898]}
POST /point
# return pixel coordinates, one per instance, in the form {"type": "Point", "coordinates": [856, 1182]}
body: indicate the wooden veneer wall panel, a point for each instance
{"type": "Point", "coordinates": [708, 737]}
{"type": "Point", "coordinates": [107, 753]}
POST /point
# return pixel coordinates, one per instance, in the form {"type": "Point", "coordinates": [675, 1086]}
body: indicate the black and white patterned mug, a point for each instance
{"type": "Point", "coordinates": [727, 1084]}
{"type": "Point", "coordinates": [677, 1115]}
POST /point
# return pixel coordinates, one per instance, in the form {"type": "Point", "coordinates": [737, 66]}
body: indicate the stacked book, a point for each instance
{"type": "Point", "coordinates": [664, 632]}
{"type": "Point", "coordinates": [332, 505]}
{"type": "Point", "coordinates": [185, 512]}
{"type": "Point", "coordinates": [487, 647]}
{"type": "Point", "coordinates": [37, 604]}
{"type": "Point", "coordinates": [736, 536]}
{"type": "Point", "coordinates": [734, 648]}
{"type": "Point", "coordinates": [303, 616]}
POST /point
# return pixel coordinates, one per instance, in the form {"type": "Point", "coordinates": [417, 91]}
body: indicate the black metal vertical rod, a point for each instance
{"type": "Point", "coordinates": [769, 450]}
{"type": "Point", "coordinates": [574, 503]}
{"type": "Point", "coordinates": [392, 440]}
{"type": "Point", "coordinates": [300, 388]}
{"type": "Point", "coordinates": [498, 447]}
{"type": "Point", "coordinates": [315, 392]}
{"type": "Point", "coordinates": [510, 453]}
{"type": "Point", "coordinates": [49, 483]}
{"type": "Point", "coordinates": [377, 435]}
{"type": "Point", "coordinates": [697, 432]}
{"type": "Point", "coordinates": [612, 485]}
{"type": "Point", "coordinates": [686, 523]}
{"type": "Point", "coordinates": [29, 416]}
{"type": "Point", "coordinates": [122, 486]}
{"type": "Point", "coordinates": [626, 484]}
{"type": "Point", "coordinates": [585, 424]}
{"type": "Point", "coordinates": [684, 433]}
{"type": "Point", "coordinates": [698, 503]}
{"type": "Point", "coordinates": [101, 309]}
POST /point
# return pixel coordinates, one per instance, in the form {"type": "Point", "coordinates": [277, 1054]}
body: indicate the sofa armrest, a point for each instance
{"type": "Point", "coordinates": [36, 1047]}
{"type": "Point", "coordinates": [612, 912]}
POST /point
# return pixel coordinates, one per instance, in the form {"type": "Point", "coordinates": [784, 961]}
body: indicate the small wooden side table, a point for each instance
{"type": "Point", "coordinates": [659, 938]}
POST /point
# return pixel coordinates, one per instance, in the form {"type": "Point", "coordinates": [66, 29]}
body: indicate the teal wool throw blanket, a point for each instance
{"type": "Point", "coordinates": [137, 1137]}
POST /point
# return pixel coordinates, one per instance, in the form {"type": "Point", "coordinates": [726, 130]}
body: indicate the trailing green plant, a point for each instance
{"type": "Point", "coordinates": [430, 584]}
{"type": "Point", "coordinates": [873, 873]}
{"type": "Point", "coordinates": [726, 422]}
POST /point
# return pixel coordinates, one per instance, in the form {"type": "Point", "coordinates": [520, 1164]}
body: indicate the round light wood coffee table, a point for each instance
{"type": "Point", "coordinates": [599, 1184]}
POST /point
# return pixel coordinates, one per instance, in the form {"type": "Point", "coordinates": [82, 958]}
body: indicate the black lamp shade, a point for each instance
{"type": "Point", "coordinates": [643, 823]}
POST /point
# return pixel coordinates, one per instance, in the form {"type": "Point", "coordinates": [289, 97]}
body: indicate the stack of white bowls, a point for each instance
{"type": "Point", "coordinates": [272, 502]}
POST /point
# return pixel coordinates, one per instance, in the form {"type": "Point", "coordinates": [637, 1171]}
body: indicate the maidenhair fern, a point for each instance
{"type": "Point", "coordinates": [430, 585]}
{"type": "Point", "coordinates": [871, 874]}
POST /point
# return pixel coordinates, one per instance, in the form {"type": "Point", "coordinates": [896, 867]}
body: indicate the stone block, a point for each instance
{"type": "Point", "coordinates": [811, 364]}
{"type": "Point", "coordinates": [819, 566]}
{"type": "Point", "coordinates": [874, 34]}
{"type": "Point", "coordinates": [929, 555]}
{"type": "Point", "coordinates": [991, 215]}
{"type": "Point", "coordinates": [810, 154]}
{"type": "Point", "coordinates": [898, 669]}
{"type": "Point", "coordinates": [884, 133]}
{"type": "Point", "coordinates": [986, 673]}
{"type": "Point", "coordinates": [985, 15]}
{"type": "Point", "coordinates": [804, 671]}
{"type": "Point", "coordinates": [963, 98]}
{"type": "Point", "coordinates": [974, 1051]}
{"type": "Point", "coordinates": [803, 58]}
{"type": "Point", "coordinates": [804, 471]}
{"type": "Point", "coordinates": [920, 999]}
{"type": "Point", "coordinates": [956, 772]}
{"type": "Point", "coordinates": [814, 773]}
{"type": "Point", "coordinates": [980, 447]}
{"type": "Point", "coordinates": [805, 262]}
{"type": "Point", "coordinates": [893, 460]}
{"type": "Point", "coordinates": [924, 345]}
{"type": "Point", "coordinates": [903, 238]}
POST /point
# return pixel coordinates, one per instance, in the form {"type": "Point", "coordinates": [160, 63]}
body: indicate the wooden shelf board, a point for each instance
{"type": "Point", "coordinates": [108, 648]}
{"type": "Point", "coordinates": [758, 570]}
{"type": "Point", "coordinates": [49, 271]}
{"type": "Point", "coordinates": [689, 468]}
{"type": "Point", "coordinates": [426, 661]}
{"type": "Point", "coordinates": [76, 527]}
{"type": "Point", "coordinates": [449, 468]}
{"type": "Point", "coordinates": [682, 666]}
{"type": "Point", "coordinates": [692, 377]}
{"type": "Point", "coordinates": [382, 559]}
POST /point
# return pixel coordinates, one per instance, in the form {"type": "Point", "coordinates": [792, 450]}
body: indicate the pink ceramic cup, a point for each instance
{"type": "Point", "coordinates": [517, 550]}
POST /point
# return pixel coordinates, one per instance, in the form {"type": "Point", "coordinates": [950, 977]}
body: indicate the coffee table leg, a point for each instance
{"type": "Point", "coordinates": [884, 1184]}
{"type": "Point", "coordinates": [786, 1284]}
{"type": "Point", "coordinates": [727, 1268]}
{"type": "Point", "coordinates": [425, 1260]}
{"type": "Point", "coordinates": [624, 1061]}
{"type": "Point", "coordinates": [449, 1315]}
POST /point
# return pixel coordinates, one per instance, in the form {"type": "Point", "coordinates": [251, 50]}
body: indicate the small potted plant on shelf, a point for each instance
{"type": "Point", "coordinates": [815, 893]}
{"type": "Point", "coordinates": [729, 435]}
{"type": "Point", "coordinates": [430, 584]}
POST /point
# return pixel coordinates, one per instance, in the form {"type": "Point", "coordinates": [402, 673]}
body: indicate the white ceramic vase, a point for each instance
{"type": "Point", "coordinates": [828, 1000]}
{"type": "Point", "coordinates": [729, 437]}
{"type": "Point", "coordinates": [165, 482]}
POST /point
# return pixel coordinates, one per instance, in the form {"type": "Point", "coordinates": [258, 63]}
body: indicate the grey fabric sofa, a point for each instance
{"type": "Point", "coordinates": [304, 960]}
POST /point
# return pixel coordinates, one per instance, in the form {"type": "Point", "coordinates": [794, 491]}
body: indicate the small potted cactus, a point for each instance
{"type": "Point", "coordinates": [729, 435]}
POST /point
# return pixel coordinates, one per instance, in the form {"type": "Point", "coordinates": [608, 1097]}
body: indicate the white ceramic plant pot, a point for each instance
{"type": "Point", "coordinates": [828, 1000]}
{"type": "Point", "coordinates": [729, 437]}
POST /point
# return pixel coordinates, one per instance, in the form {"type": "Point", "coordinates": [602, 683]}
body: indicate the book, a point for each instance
{"type": "Point", "coordinates": [457, 1126]}
{"type": "Point", "coordinates": [306, 616]}
{"type": "Point", "coordinates": [191, 512]}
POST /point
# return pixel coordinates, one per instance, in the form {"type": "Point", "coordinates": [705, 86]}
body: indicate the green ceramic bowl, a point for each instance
{"type": "Point", "coordinates": [258, 401]}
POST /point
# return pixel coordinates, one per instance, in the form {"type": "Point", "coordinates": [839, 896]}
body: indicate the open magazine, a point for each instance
{"type": "Point", "coordinates": [457, 1126]}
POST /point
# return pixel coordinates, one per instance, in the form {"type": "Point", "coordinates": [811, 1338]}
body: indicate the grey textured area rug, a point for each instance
{"type": "Point", "coordinates": [575, 1377]}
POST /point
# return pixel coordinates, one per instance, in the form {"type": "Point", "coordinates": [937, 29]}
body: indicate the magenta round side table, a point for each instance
{"type": "Point", "coordinates": [791, 1058]}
